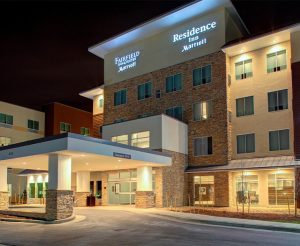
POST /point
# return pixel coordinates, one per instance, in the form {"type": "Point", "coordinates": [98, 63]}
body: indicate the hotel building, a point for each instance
{"type": "Point", "coordinates": [193, 110]}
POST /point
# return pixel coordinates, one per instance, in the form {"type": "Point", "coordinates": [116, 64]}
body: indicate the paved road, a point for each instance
{"type": "Point", "coordinates": [115, 227]}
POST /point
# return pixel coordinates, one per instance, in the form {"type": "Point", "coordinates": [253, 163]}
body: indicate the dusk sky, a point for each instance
{"type": "Point", "coordinates": [44, 45]}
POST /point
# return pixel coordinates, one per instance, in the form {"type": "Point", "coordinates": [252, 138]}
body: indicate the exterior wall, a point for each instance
{"type": "Point", "coordinates": [56, 113]}
{"type": "Point", "coordinates": [258, 86]}
{"type": "Point", "coordinates": [97, 124]}
{"type": "Point", "coordinates": [19, 131]}
{"type": "Point", "coordinates": [216, 90]}
{"type": "Point", "coordinates": [161, 128]}
{"type": "Point", "coordinates": [221, 187]}
{"type": "Point", "coordinates": [96, 107]}
{"type": "Point", "coordinates": [144, 199]}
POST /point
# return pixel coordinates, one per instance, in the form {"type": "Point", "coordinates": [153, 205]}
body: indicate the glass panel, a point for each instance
{"type": "Point", "coordinates": [206, 74]}
{"type": "Point", "coordinates": [197, 111]}
{"type": "Point", "coordinates": [281, 59]}
{"type": "Point", "coordinates": [141, 92]}
{"type": "Point", "coordinates": [284, 139]}
{"type": "Point", "coordinates": [239, 107]}
{"type": "Point", "coordinates": [282, 99]}
{"type": "Point", "coordinates": [239, 70]}
{"type": "Point", "coordinates": [271, 62]}
{"type": "Point", "coordinates": [272, 101]}
{"type": "Point", "coordinates": [148, 90]}
{"type": "Point", "coordinates": [32, 190]}
{"type": "Point", "coordinates": [113, 176]}
{"type": "Point", "coordinates": [241, 144]}
{"type": "Point", "coordinates": [9, 119]}
{"type": "Point", "coordinates": [133, 186]}
{"type": "Point", "coordinates": [248, 68]}
{"type": "Point", "coordinates": [178, 113]}
{"type": "Point", "coordinates": [177, 82]}
{"type": "Point", "coordinates": [122, 139]}
{"type": "Point", "coordinates": [250, 143]}
{"type": "Point", "coordinates": [2, 118]}
{"type": "Point", "coordinates": [124, 175]}
{"type": "Point", "coordinates": [124, 198]}
{"type": "Point", "coordinates": [36, 125]}
{"type": "Point", "coordinates": [125, 187]}
{"type": "Point", "coordinates": [169, 84]}
{"type": "Point", "coordinates": [204, 190]}
{"type": "Point", "coordinates": [249, 107]}
{"type": "Point", "coordinates": [30, 124]}
{"type": "Point", "coordinates": [197, 76]}
{"type": "Point", "coordinates": [123, 96]}
{"type": "Point", "coordinates": [247, 189]}
{"type": "Point", "coordinates": [40, 190]}
{"type": "Point", "coordinates": [170, 112]}
{"type": "Point", "coordinates": [209, 146]}
{"type": "Point", "coordinates": [133, 174]}
{"type": "Point", "coordinates": [273, 141]}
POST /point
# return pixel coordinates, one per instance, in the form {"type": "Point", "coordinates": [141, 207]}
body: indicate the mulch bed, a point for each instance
{"type": "Point", "coordinates": [246, 215]}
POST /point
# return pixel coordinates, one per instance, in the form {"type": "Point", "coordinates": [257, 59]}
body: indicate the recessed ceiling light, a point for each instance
{"type": "Point", "coordinates": [87, 163]}
{"type": "Point", "coordinates": [24, 163]}
{"type": "Point", "coordinates": [39, 168]}
{"type": "Point", "coordinates": [82, 155]}
{"type": "Point", "coordinates": [119, 160]}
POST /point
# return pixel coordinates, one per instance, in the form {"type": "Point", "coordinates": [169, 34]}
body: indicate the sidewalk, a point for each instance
{"type": "Point", "coordinates": [211, 220]}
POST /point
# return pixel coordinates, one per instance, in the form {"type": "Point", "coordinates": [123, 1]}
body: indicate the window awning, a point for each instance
{"type": "Point", "coordinates": [255, 163]}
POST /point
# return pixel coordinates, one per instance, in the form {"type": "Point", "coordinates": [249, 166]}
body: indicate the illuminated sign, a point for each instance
{"type": "Point", "coordinates": [192, 36]}
{"type": "Point", "coordinates": [121, 155]}
{"type": "Point", "coordinates": [126, 62]}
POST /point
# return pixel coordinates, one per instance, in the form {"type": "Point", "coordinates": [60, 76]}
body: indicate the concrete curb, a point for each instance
{"type": "Point", "coordinates": [231, 224]}
{"type": "Point", "coordinates": [39, 221]}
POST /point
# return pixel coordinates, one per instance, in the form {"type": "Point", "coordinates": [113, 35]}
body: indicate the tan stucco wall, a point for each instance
{"type": "Point", "coordinates": [258, 86]}
{"type": "Point", "coordinates": [19, 131]}
{"type": "Point", "coordinates": [96, 108]}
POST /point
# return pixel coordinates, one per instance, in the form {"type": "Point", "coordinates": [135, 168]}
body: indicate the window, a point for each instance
{"type": "Point", "coordinates": [247, 189]}
{"type": "Point", "coordinates": [174, 83]}
{"type": "Point", "coordinates": [141, 139]}
{"type": "Point", "coordinates": [175, 112]}
{"type": "Point", "coordinates": [245, 143]}
{"type": "Point", "coordinates": [4, 141]}
{"type": "Point", "coordinates": [244, 106]}
{"type": "Point", "coordinates": [32, 190]}
{"type": "Point", "coordinates": [204, 187]}
{"type": "Point", "coordinates": [202, 75]}
{"type": "Point", "coordinates": [203, 146]}
{"type": "Point", "coordinates": [120, 97]}
{"type": "Point", "coordinates": [278, 100]}
{"type": "Point", "coordinates": [6, 119]}
{"type": "Point", "coordinates": [33, 125]}
{"type": "Point", "coordinates": [85, 131]}
{"type": "Point", "coordinates": [122, 139]}
{"type": "Point", "coordinates": [202, 110]}
{"type": "Point", "coordinates": [101, 101]}
{"type": "Point", "coordinates": [144, 91]}
{"type": "Point", "coordinates": [243, 69]}
{"type": "Point", "coordinates": [276, 61]}
{"type": "Point", "coordinates": [65, 127]}
{"type": "Point", "coordinates": [281, 186]}
{"type": "Point", "coordinates": [279, 140]}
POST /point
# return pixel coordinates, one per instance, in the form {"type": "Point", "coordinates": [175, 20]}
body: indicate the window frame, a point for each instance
{"type": "Point", "coordinates": [278, 139]}
{"type": "Point", "coordinates": [275, 69]}
{"type": "Point", "coordinates": [209, 116]}
{"type": "Point", "coordinates": [245, 142]}
{"type": "Point", "coordinates": [243, 75]}
{"type": "Point", "coordinates": [173, 83]}
{"type": "Point", "coordinates": [244, 108]}
{"type": "Point", "coordinates": [277, 100]}
{"type": "Point", "coordinates": [182, 110]}
{"type": "Point", "coordinates": [151, 91]}
{"type": "Point", "coordinates": [201, 68]}
{"type": "Point", "coordinates": [202, 137]}
{"type": "Point", "coordinates": [119, 91]}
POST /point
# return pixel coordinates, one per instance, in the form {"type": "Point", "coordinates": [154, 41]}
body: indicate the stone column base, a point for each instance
{"type": "Point", "coordinates": [59, 204]}
{"type": "Point", "coordinates": [144, 199]}
{"type": "Point", "coordinates": [80, 199]}
{"type": "Point", "coordinates": [4, 201]}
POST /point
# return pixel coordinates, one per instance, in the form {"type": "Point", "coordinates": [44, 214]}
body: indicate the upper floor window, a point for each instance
{"type": "Point", "coordinates": [244, 106]}
{"type": "Point", "coordinates": [175, 112]}
{"type": "Point", "coordinates": [144, 91]}
{"type": "Point", "coordinates": [202, 75]}
{"type": "Point", "coordinates": [33, 125]}
{"type": "Point", "coordinates": [122, 139]}
{"type": "Point", "coordinates": [85, 131]}
{"type": "Point", "coordinates": [203, 146]}
{"type": "Point", "coordinates": [6, 119]}
{"type": "Point", "coordinates": [279, 140]}
{"type": "Point", "coordinates": [141, 139]}
{"type": "Point", "coordinates": [278, 100]}
{"type": "Point", "coordinates": [120, 97]}
{"type": "Point", "coordinates": [245, 143]}
{"type": "Point", "coordinates": [4, 141]}
{"type": "Point", "coordinates": [174, 83]}
{"type": "Point", "coordinates": [243, 69]}
{"type": "Point", "coordinates": [202, 110]}
{"type": "Point", "coordinates": [64, 127]}
{"type": "Point", "coordinates": [276, 61]}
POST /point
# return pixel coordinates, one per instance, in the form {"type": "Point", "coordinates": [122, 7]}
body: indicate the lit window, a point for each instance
{"type": "Point", "coordinates": [243, 69]}
{"type": "Point", "coordinates": [202, 75]}
{"type": "Point", "coordinates": [245, 143]}
{"type": "Point", "coordinates": [278, 100]}
{"type": "Point", "coordinates": [244, 106]}
{"type": "Point", "coordinates": [279, 140]}
{"type": "Point", "coordinates": [4, 141]}
{"type": "Point", "coordinates": [120, 97]}
{"type": "Point", "coordinates": [101, 102]}
{"type": "Point", "coordinates": [122, 139]}
{"type": "Point", "coordinates": [174, 83]}
{"type": "Point", "coordinates": [276, 61]}
{"type": "Point", "coordinates": [203, 146]}
{"type": "Point", "coordinates": [144, 91]}
{"type": "Point", "coordinates": [141, 139]}
{"type": "Point", "coordinates": [65, 127]}
{"type": "Point", "coordinates": [202, 110]}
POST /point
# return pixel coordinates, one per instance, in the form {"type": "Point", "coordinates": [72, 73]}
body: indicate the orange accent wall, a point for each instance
{"type": "Point", "coordinates": [57, 112]}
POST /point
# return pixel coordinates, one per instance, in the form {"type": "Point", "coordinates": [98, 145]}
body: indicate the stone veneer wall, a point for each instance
{"type": "Point", "coordinates": [4, 200]}
{"type": "Point", "coordinates": [171, 182]}
{"type": "Point", "coordinates": [81, 199]}
{"type": "Point", "coordinates": [97, 123]}
{"type": "Point", "coordinates": [217, 126]}
{"type": "Point", "coordinates": [221, 187]}
{"type": "Point", "coordinates": [59, 204]}
{"type": "Point", "coordinates": [144, 199]}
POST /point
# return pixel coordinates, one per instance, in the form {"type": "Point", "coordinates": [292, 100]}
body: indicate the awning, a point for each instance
{"type": "Point", "coordinates": [246, 164]}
